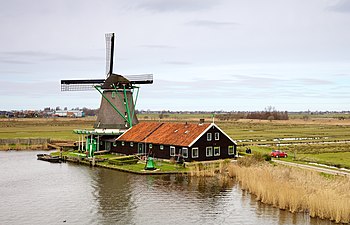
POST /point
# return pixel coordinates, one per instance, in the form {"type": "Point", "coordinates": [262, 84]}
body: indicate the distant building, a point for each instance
{"type": "Point", "coordinates": [69, 113]}
{"type": "Point", "coordinates": [195, 142]}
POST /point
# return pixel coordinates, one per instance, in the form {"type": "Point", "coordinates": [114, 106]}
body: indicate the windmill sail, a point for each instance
{"type": "Point", "coordinates": [117, 108]}
{"type": "Point", "coordinates": [109, 53]}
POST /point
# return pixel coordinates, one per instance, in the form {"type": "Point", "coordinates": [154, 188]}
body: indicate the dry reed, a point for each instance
{"type": "Point", "coordinates": [296, 190]}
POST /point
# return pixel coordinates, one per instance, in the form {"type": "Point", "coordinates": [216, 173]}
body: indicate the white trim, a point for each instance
{"type": "Point", "coordinates": [161, 147]}
{"type": "Point", "coordinates": [217, 147]}
{"type": "Point", "coordinates": [172, 147]}
{"type": "Point", "coordinates": [197, 152]}
{"type": "Point", "coordinates": [217, 133]}
{"type": "Point", "coordinates": [210, 126]}
{"type": "Point", "coordinates": [233, 149]}
{"type": "Point", "coordinates": [209, 135]}
{"type": "Point", "coordinates": [206, 151]}
{"type": "Point", "coordinates": [183, 150]}
{"type": "Point", "coordinates": [199, 136]}
{"type": "Point", "coordinates": [225, 134]}
{"type": "Point", "coordinates": [123, 134]}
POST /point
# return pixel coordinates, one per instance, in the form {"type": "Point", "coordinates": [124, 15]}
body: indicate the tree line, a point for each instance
{"type": "Point", "coordinates": [269, 113]}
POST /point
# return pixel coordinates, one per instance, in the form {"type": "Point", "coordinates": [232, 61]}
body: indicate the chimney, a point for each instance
{"type": "Point", "coordinates": [201, 121]}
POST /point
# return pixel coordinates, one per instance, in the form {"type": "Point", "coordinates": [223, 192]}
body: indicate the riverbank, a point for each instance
{"type": "Point", "coordinates": [34, 144]}
{"type": "Point", "coordinates": [296, 190]}
{"type": "Point", "coordinates": [130, 164]}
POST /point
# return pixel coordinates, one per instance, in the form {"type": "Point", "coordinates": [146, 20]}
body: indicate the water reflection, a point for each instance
{"type": "Point", "coordinates": [38, 192]}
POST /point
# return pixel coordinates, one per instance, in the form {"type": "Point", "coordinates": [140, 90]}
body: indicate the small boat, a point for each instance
{"type": "Point", "coordinates": [49, 158]}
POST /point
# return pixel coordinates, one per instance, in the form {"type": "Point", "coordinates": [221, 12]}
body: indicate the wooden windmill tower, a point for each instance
{"type": "Point", "coordinates": [119, 93]}
{"type": "Point", "coordinates": [117, 109]}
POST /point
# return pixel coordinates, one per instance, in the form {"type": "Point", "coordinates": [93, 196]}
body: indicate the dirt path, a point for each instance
{"type": "Point", "coordinates": [318, 169]}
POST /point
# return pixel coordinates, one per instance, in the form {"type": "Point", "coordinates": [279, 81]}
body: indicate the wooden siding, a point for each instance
{"type": "Point", "coordinates": [201, 143]}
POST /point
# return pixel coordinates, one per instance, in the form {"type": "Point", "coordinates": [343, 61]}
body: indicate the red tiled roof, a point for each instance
{"type": "Point", "coordinates": [180, 134]}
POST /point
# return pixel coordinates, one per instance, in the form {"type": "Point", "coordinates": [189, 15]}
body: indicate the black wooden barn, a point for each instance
{"type": "Point", "coordinates": [195, 142]}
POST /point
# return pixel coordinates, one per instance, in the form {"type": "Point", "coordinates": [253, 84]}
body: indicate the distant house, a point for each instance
{"type": "Point", "coordinates": [195, 142]}
{"type": "Point", "coordinates": [69, 113]}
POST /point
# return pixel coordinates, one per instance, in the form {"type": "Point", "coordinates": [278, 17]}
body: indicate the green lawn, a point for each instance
{"type": "Point", "coordinates": [338, 159]}
{"type": "Point", "coordinates": [163, 166]}
{"type": "Point", "coordinates": [57, 129]}
{"type": "Point", "coordinates": [251, 132]}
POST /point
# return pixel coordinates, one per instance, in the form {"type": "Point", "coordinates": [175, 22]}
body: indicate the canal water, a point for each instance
{"type": "Point", "coordinates": [38, 192]}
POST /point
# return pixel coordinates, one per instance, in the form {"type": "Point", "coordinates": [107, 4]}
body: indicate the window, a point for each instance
{"type": "Point", "coordinates": [161, 147]}
{"type": "Point", "coordinates": [150, 146]}
{"type": "Point", "coordinates": [131, 144]}
{"type": "Point", "coordinates": [114, 144]}
{"type": "Point", "coordinates": [172, 151]}
{"type": "Point", "coordinates": [185, 152]}
{"type": "Point", "coordinates": [209, 151]}
{"type": "Point", "coordinates": [123, 143]}
{"type": "Point", "coordinates": [195, 153]}
{"type": "Point", "coordinates": [208, 136]}
{"type": "Point", "coordinates": [113, 94]}
{"type": "Point", "coordinates": [231, 150]}
{"type": "Point", "coordinates": [216, 151]}
{"type": "Point", "coordinates": [217, 135]}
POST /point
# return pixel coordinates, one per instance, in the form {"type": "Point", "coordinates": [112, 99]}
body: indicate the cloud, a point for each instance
{"type": "Point", "coordinates": [341, 6]}
{"type": "Point", "coordinates": [157, 46]}
{"type": "Point", "coordinates": [29, 57]}
{"type": "Point", "coordinates": [14, 61]}
{"type": "Point", "coordinates": [176, 5]}
{"type": "Point", "coordinates": [309, 81]}
{"type": "Point", "coordinates": [177, 63]}
{"type": "Point", "coordinates": [259, 81]}
{"type": "Point", "coordinates": [211, 24]}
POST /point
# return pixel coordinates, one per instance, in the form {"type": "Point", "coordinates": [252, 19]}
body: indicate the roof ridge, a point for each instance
{"type": "Point", "coordinates": [161, 124]}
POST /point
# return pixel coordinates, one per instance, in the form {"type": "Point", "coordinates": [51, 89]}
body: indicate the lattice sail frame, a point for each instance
{"type": "Point", "coordinates": [117, 109]}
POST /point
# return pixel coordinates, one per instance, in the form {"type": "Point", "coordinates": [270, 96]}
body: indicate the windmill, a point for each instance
{"type": "Point", "coordinates": [119, 93]}
{"type": "Point", "coordinates": [119, 97]}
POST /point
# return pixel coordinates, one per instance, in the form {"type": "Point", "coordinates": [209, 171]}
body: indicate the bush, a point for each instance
{"type": "Point", "coordinates": [267, 157]}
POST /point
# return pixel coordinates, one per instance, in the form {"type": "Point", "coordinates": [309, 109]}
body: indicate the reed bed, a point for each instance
{"type": "Point", "coordinates": [209, 169]}
{"type": "Point", "coordinates": [295, 190]}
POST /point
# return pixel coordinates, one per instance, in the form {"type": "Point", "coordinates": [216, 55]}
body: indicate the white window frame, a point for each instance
{"type": "Point", "coordinates": [233, 150]}
{"type": "Point", "coordinates": [206, 151]}
{"type": "Point", "coordinates": [150, 146]}
{"type": "Point", "coordinates": [209, 137]}
{"type": "Point", "coordinates": [123, 143]}
{"type": "Point", "coordinates": [172, 151]}
{"type": "Point", "coordinates": [193, 155]}
{"type": "Point", "coordinates": [217, 136]}
{"type": "Point", "coordinates": [131, 144]}
{"type": "Point", "coordinates": [217, 147]}
{"type": "Point", "coordinates": [183, 152]}
{"type": "Point", "coordinates": [161, 147]}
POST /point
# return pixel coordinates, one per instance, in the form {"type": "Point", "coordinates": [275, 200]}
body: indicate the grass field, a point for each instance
{"type": "Point", "coordinates": [304, 138]}
{"type": "Point", "coordinates": [53, 128]}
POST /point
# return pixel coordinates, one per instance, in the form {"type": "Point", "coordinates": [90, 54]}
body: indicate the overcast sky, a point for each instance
{"type": "Point", "coordinates": [204, 54]}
